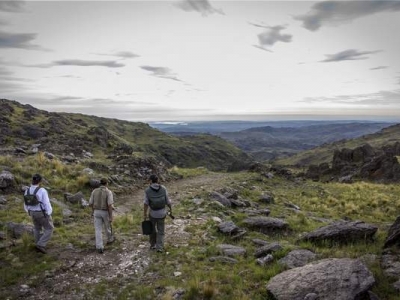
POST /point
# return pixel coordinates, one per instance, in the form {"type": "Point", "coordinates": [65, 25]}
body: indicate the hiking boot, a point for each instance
{"type": "Point", "coordinates": [160, 250]}
{"type": "Point", "coordinates": [100, 250]}
{"type": "Point", "coordinates": [110, 242]}
{"type": "Point", "coordinates": [41, 249]}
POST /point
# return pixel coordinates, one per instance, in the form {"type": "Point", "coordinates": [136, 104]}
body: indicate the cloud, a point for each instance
{"type": "Point", "coordinates": [81, 63]}
{"type": "Point", "coordinates": [381, 98]}
{"type": "Point", "coordinates": [202, 6]}
{"type": "Point", "coordinates": [161, 72]}
{"type": "Point", "coordinates": [350, 54]}
{"type": "Point", "coordinates": [379, 68]}
{"type": "Point", "coordinates": [121, 54]}
{"type": "Point", "coordinates": [337, 12]}
{"type": "Point", "coordinates": [12, 6]}
{"type": "Point", "coordinates": [273, 35]}
{"type": "Point", "coordinates": [18, 40]}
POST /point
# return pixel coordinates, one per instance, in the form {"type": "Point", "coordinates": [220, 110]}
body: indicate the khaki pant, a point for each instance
{"type": "Point", "coordinates": [41, 222]}
{"type": "Point", "coordinates": [101, 219]}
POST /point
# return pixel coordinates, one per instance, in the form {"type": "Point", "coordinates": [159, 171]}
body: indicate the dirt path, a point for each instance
{"type": "Point", "coordinates": [127, 259]}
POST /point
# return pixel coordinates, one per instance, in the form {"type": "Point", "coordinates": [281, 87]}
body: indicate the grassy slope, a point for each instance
{"type": "Point", "coordinates": [325, 152]}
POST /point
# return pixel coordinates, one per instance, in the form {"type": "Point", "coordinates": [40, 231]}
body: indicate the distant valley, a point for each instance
{"type": "Point", "coordinates": [270, 140]}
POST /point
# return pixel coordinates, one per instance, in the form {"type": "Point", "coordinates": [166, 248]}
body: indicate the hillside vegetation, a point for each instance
{"type": "Point", "coordinates": [65, 133]}
{"type": "Point", "coordinates": [324, 153]}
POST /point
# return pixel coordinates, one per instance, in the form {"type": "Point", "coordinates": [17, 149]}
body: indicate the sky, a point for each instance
{"type": "Point", "coordinates": [203, 60]}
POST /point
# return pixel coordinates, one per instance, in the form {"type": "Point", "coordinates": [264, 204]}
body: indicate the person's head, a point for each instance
{"type": "Point", "coordinates": [103, 181]}
{"type": "Point", "coordinates": [36, 179]}
{"type": "Point", "coordinates": [153, 178]}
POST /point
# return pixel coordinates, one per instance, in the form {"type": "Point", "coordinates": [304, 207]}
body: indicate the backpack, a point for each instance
{"type": "Point", "coordinates": [157, 198]}
{"type": "Point", "coordinates": [31, 199]}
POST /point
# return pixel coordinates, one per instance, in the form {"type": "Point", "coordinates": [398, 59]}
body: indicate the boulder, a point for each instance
{"type": "Point", "coordinates": [342, 232]}
{"type": "Point", "coordinates": [328, 279]}
{"type": "Point", "coordinates": [223, 259]}
{"type": "Point", "coordinates": [267, 198]}
{"type": "Point", "coordinates": [266, 224]}
{"type": "Point", "coordinates": [393, 237]}
{"type": "Point", "coordinates": [262, 261]}
{"type": "Point", "coordinates": [297, 258]}
{"type": "Point", "coordinates": [74, 199]}
{"type": "Point", "coordinates": [390, 264]}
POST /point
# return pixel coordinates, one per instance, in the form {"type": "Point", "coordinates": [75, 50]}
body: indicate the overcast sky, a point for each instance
{"type": "Point", "coordinates": [198, 60]}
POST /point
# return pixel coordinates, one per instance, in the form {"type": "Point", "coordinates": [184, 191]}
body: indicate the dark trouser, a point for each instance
{"type": "Point", "coordinates": [41, 222]}
{"type": "Point", "coordinates": [157, 237]}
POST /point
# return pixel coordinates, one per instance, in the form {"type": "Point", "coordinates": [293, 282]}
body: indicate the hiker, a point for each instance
{"type": "Point", "coordinates": [156, 197]}
{"type": "Point", "coordinates": [101, 201]}
{"type": "Point", "coordinates": [40, 210]}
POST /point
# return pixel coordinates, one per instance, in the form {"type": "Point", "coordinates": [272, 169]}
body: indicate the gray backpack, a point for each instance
{"type": "Point", "coordinates": [157, 198]}
{"type": "Point", "coordinates": [31, 199]}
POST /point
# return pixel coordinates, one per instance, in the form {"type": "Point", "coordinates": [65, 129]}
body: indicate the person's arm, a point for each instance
{"type": "Point", "coordinates": [110, 202]}
{"type": "Point", "coordinates": [46, 202]}
{"type": "Point", "coordinates": [169, 203]}
{"type": "Point", "coordinates": [145, 209]}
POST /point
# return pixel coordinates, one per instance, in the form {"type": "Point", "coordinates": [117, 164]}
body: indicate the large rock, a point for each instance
{"type": "Point", "coordinates": [342, 232]}
{"type": "Point", "coordinates": [228, 227]}
{"type": "Point", "coordinates": [297, 258]}
{"type": "Point", "coordinates": [266, 224]}
{"type": "Point", "coordinates": [393, 237]}
{"type": "Point", "coordinates": [74, 199]}
{"type": "Point", "coordinates": [6, 180]}
{"type": "Point", "coordinates": [328, 279]}
{"type": "Point", "coordinates": [267, 249]}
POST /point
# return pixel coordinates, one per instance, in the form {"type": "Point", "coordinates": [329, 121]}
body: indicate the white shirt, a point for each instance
{"type": "Point", "coordinates": [43, 197]}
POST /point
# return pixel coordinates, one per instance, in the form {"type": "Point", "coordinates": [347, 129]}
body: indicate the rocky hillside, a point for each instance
{"type": "Point", "coordinates": [386, 137]}
{"type": "Point", "coordinates": [26, 130]}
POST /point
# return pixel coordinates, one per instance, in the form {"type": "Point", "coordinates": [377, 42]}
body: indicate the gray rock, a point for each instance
{"type": "Point", "coordinates": [228, 227]}
{"type": "Point", "coordinates": [267, 198]}
{"type": "Point", "coordinates": [260, 242]}
{"type": "Point", "coordinates": [88, 171]}
{"type": "Point", "coordinates": [221, 199]}
{"type": "Point", "coordinates": [17, 229]}
{"type": "Point", "coordinates": [74, 199]}
{"type": "Point", "coordinates": [3, 200]}
{"type": "Point", "coordinates": [297, 258]}
{"type": "Point", "coordinates": [49, 155]}
{"type": "Point", "coordinates": [323, 278]}
{"type": "Point", "coordinates": [291, 205]}
{"type": "Point", "coordinates": [94, 183]}
{"type": "Point", "coordinates": [267, 249]}
{"type": "Point", "coordinates": [6, 180]}
{"type": "Point", "coordinates": [391, 265]}
{"type": "Point", "coordinates": [342, 232]}
{"type": "Point", "coordinates": [231, 250]}
{"type": "Point", "coordinates": [223, 259]}
{"type": "Point", "coordinates": [263, 261]}
{"type": "Point", "coordinates": [393, 237]}
{"type": "Point", "coordinates": [266, 224]}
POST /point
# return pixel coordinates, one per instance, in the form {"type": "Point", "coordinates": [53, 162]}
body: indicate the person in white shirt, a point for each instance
{"type": "Point", "coordinates": [40, 213]}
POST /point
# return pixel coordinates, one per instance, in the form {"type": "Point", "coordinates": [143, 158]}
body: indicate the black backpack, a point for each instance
{"type": "Point", "coordinates": [31, 199]}
{"type": "Point", "coordinates": [157, 198]}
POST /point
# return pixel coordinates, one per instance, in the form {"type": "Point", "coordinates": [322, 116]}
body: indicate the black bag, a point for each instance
{"type": "Point", "coordinates": [147, 227]}
{"type": "Point", "coordinates": [31, 199]}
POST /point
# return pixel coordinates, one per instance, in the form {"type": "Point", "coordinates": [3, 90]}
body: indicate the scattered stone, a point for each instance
{"type": "Point", "coordinates": [231, 250]}
{"type": "Point", "coordinates": [197, 201]}
{"type": "Point", "coordinates": [391, 265]}
{"type": "Point", "coordinates": [342, 232]}
{"type": "Point", "coordinates": [228, 228]}
{"type": "Point", "coordinates": [291, 205]}
{"type": "Point", "coordinates": [221, 199]}
{"type": "Point", "coordinates": [216, 219]}
{"type": "Point", "coordinates": [260, 242]}
{"type": "Point", "coordinates": [6, 180]}
{"type": "Point", "coordinates": [263, 261]}
{"type": "Point", "coordinates": [223, 259]}
{"type": "Point", "coordinates": [176, 274]}
{"type": "Point", "coordinates": [88, 171]}
{"type": "Point", "coordinates": [74, 199]}
{"type": "Point", "coordinates": [267, 249]}
{"type": "Point", "coordinates": [323, 278]}
{"type": "Point", "coordinates": [266, 224]}
{"type": "Point", "coordinates": [49, 155]}
{"type": "Point", "coordinates": [267, 198]}
{"type": "Point", "coordinates": [3, 200]}
{"type": "Point", "coordinates": [297, 258]}
{"type": "Point", "coordinates": [18, 229]}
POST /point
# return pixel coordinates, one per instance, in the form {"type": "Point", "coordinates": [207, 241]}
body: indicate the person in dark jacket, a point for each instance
{"type": "Point", "coordinates": [155, 201]}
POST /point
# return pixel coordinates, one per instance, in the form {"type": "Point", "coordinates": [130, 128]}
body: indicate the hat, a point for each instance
{"type": "Point", "coordinates": [37, 178]}
{"type": "Point", "coordinates": [103, 181]}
